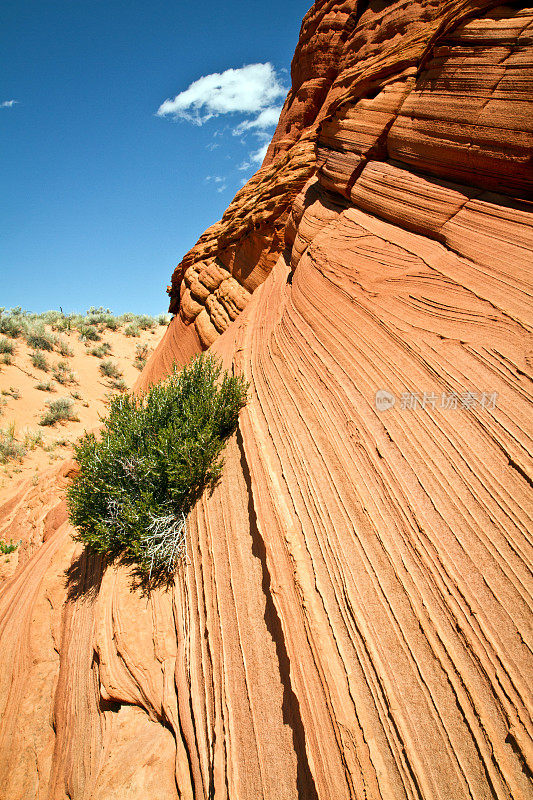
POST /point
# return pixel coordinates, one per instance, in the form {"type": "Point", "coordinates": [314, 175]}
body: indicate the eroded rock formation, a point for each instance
{"type": "Point", "coordinates": [354, 617]}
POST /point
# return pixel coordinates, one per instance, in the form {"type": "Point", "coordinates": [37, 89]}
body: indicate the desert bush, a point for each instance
{"type": "Point", "coordinates": [58, 410]}
{"type": "Point", "coordinates": [11, 324]}
{"type": "Point", "coordinates": [6, 358]}
{"type": "Point", "coordinates": [10, 449]}
{"type": "Point", "coordinates": [142, 351]}
{"type": "Point", "coordinates": [110, 370]}
{"type": "Point", "coordinates": [131, 330]}
{"type": "Point", "coordinates": [12, 392]}
{"type": "Point", "coordinates": [6, 549]}
{"type": "Point", "coordinates": [63, 374]}
{"type": "Point", "coordinates": [118, 384]}
{"type": "Point", "coordinates": [45, 386]}
{"type": "Point", "coordinates": [6, 347]}
{"type": "Point", "coordinates": [64, 349]}
{"type": "Point", "coordinates": [163, 319]}
{"type": "Point", "coordinates": [39, 338]}
{"type": "Point", "coordinates": [102, 350]}
{"type": "Point", "coordinates": [39, 361]}
{"type": "Point", "coordinates": [145, 322]}
{"type": "Point", "coordinates": [89, 333]}
{"type": "Point", "coordinates": [100, 315]}
{"type": "Point", "coordinates": [156, 456]}
{"type": "Point", "coordinates": [32, 439]}
{"type": "Point", "coordinates": [52, 318]}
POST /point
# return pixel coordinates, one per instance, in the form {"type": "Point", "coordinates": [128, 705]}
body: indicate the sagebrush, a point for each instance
{"type": "Point", "coordinates": [154, 458]}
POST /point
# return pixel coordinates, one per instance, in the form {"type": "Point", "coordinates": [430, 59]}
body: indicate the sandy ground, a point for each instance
{"type": "Point", "coordinates": [90, 395]}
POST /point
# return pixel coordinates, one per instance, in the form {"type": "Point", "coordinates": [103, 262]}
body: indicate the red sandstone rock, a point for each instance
{"type": "Point", "coordinates": [354, 617]}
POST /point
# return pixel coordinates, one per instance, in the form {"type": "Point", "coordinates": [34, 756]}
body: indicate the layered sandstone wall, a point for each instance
{"type": "Point", "coordinates": [354, 617]}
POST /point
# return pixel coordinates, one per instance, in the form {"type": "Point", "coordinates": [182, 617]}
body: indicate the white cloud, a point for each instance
{"type": "Point", "coordinates": [218, 180]}
{"type": "Point", "coordinates": [266, 119]}
{"type": "Point", "coordinates": [252, 89]}
{"type": "Point", "coordinates": [259, 155]}
{"type": "Point", "coordinates": [8, 103]}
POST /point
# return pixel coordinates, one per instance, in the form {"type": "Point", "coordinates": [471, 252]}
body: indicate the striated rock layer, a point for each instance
{"type": "Point", "coordinates": [354, 616]}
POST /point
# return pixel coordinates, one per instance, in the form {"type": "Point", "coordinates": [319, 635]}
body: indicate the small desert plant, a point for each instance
{"type": "Point", "coordinates": [142, 351]}
{"type": "Point", "coordinates": [6, 549]}
{"type": "Point", "coordinates": [89, 333]}
{"type": "Point", "coordinates": [156, 456]}
{"type": "Point", "coordinates": [64, 349]}
{"type": "Point", "coordinates": [76, 395]}
{"type": "Point", "coordinates": [32, 439]}
{"type": "Point", "coordinates": [6, 358]}
{"type": "Point", "coordinates": [39, 361]}
{"type": "Point", "coordinates": [6, 347]}
{"type": "Point", "coordinates": [58, 410]}
{"type": "Point", "coordinates": [110, 370]}
{"type": "Point", "coordinates": [118, 384]}
{"type": "Point", "coordinates": [10, 449]}
{"type": "Point", "coordinates": [112, 323]}
{"type": "Point", "coordinates": [63, 374]}
{"type": "Point", "coordinates": [145, 323]}
{"type": "Point", "coordinates": [39, 338]}
{"type": "Point", "coordinates": [102, 350]}
{"type": "Point", "coordinates": [11, 325]}
{"type": "Point", "coordinates": [45, 386]}
{"type": "Point", "coordinates": [131, 330]}
{"type": "Point", "coordinates": [163, 319]}
{"type": "Point", "coordinates": [12, 392]}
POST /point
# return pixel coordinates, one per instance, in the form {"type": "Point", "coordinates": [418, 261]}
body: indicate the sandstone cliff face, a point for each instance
{"type": "Point", "coordinates": [354, 618]}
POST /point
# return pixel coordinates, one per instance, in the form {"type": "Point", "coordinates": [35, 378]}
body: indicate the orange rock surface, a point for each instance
{"type": "Point", "coordinates": [354, 616]}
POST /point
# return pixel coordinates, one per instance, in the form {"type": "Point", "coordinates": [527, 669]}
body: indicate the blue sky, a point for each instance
{"type": "Point", "coordinates": [125, 130]}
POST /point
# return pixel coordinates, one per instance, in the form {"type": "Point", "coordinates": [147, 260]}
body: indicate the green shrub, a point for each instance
{"type": "Point", "coordinates": [131, 330]}
{"type": "Point", "coordinates": [45, 386]}
{"type": "Point", "coordinates": [6, 347]}
{"type": "Point", "coordinates": [39, 361]}
{"type": "Point", "coordinates": [142, 351]}
{"type": "Point", "coordinates": [102, 350]}
{"type": "Point", "coordinates": [58, 410]}
{"type": "Point", "coordinates": [11, 326]}
{"type": "Point", "coordinates": [64, 349]}
{"type": "Point", "coordinates": [6, 548]}
{"type": "Point", "coordinates": [38, 338]}
{"type": "Point", "coordinates": [155, 457]}
{"type": "Point", "coordinates": [89, 333]}
{"type": "Point", "coordinates": [110, 370]}
{"type": "Point", "coordinates": [145, 322]}
{"type": "Point", "coordinates": [163, 319]}
{"type": "Point", "coordinates": [6, 358]}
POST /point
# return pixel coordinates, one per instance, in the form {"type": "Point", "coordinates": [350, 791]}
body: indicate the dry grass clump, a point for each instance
{"type": "Point", "coordinates": [39, 361]}
{"type": "Point", "coordinates": [59, 410]}
{"type": "Point", "coordinates": [110, 370]}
